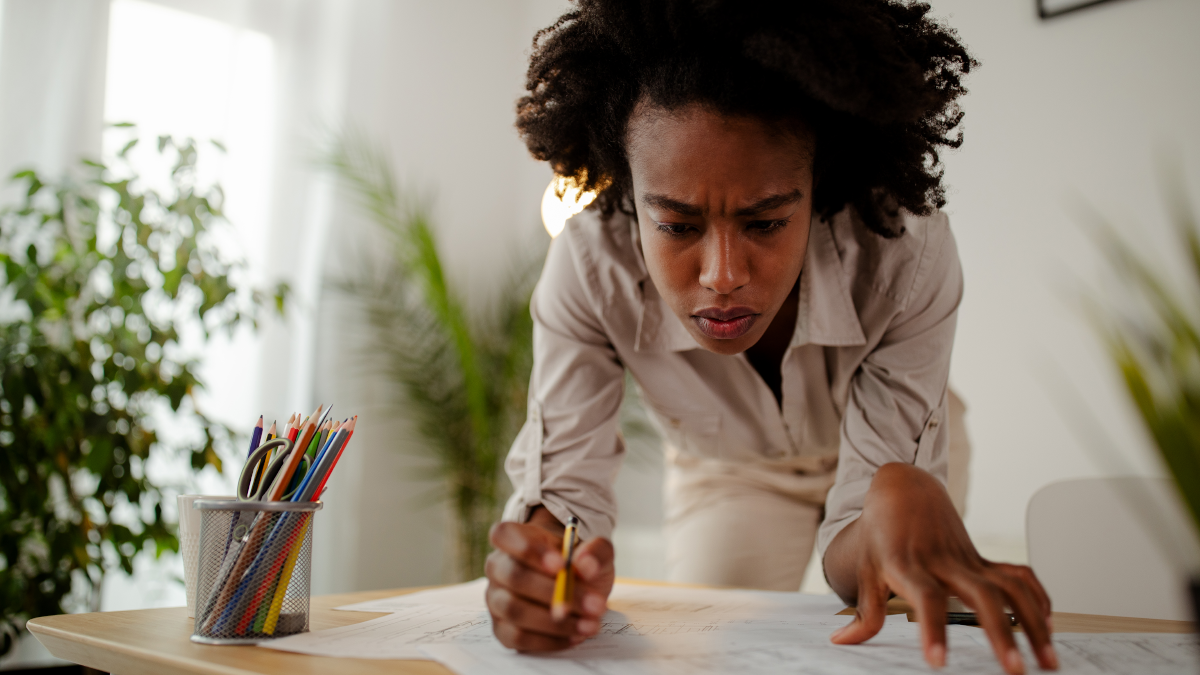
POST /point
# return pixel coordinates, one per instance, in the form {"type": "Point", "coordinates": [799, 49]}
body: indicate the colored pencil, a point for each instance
{"type": "Point", "coordinates": [349, 428]}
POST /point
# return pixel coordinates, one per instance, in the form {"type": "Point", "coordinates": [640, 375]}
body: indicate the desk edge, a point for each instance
{"type": "Point", "coordinates": [55, 639]}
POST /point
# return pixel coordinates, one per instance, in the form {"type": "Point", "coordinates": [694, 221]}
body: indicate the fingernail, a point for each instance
{"type": "Point", "coordinates": [558, 612]}
{"type": "Point", "coordinates": [1050, 623]}
{"type": "Point", "coordinates": [587, 626]}
{"type": "Point", "coordinates": [593, 604]}
{"type": "Point", "coordinates": [587, 566]}
{"type": "Point", "coordinates": [1014, 664]}
{"type": "Point", "coordinates": [838, 633]}
{"type": "Point", "coordinates": [937, 656]}
{"type": "Point", "coordinates": [1050, 657]}
{"type": "Point", "coordinates": [552, 561]}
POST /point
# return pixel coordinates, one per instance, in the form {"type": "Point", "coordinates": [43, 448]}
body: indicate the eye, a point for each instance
{"type": "Point", "coordinates": [674, 229]}
{"type": "Point", "coordinates": [767, 225]}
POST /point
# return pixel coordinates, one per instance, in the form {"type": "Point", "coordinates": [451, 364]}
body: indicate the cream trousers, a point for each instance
{"type": "Point", "coordinates": [755, 527]}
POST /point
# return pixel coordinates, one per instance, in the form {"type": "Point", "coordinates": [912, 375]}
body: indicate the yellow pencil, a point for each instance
{"type": "Point", "coordinates": [564, 584]}
{"type": "Point", "coordinates": [284, 579]}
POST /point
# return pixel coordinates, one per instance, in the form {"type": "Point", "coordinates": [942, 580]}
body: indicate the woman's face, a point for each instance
{"type": "Point", "coordinates": [724, 206]}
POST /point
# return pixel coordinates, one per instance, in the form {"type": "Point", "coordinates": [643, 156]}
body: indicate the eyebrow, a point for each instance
{"type": "Point", "coordinates": [685, 209]}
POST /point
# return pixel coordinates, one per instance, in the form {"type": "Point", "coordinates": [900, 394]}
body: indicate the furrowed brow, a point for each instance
{"type": "Point", "coordinates": [769, 203]}
{"type": "Point", "coordinates": [672, 205]}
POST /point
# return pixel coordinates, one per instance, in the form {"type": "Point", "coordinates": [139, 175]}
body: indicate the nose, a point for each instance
{"type": "Point", "coordinates": [725, 267]}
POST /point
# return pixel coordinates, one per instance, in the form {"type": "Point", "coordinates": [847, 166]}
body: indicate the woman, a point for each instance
{"type": "Point", "coordinates": [766, 258]}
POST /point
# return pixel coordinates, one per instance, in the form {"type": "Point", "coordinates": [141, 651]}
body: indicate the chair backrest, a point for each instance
{"type": "Point", "coordinates": [1113, 546]}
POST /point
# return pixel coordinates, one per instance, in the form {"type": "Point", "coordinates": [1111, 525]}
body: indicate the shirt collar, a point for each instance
{"type": "Point", "coordinates": [826, 315]}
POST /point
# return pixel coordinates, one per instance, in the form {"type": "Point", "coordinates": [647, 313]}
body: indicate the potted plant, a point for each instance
{"type": "Point", "coordinates": [460, 376]}
{"type": "Point", "coordinates": [101, 275]}
{"type": "Point", "coordinates": [1154, 341]}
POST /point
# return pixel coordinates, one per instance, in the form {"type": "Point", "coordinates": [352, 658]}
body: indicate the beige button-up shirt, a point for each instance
{"type": "Point", "coordinates": [864, 377]}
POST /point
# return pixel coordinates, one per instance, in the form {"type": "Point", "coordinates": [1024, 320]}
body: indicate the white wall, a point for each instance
{"type": "Point", "coordinates": [52, 76]}
{"type": "Point", "coordinates": [1068, 109]}
{"type": "Point", "coordinates": [1063, 112]}
{"type": "Point", "coordinates": [436, 83]}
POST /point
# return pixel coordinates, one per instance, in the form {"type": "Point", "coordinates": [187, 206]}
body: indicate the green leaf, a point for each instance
{"type": "Point", "coordinates": [1157, 348]}
{"type": "Point", "coordinates": [75, 377]}
{"type": "Point", "coordinates": [459, 376]}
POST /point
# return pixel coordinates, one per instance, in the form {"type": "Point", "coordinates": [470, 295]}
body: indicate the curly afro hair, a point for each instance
{"type": "Point", "coordinates": [876, 80]}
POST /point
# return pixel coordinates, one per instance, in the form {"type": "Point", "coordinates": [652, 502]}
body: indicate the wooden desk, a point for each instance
{"type": "Point", "coordinates": [156, 641]}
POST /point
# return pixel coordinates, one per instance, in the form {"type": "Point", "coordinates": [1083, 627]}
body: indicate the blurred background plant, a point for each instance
{"type": "Point", "coordinates": [103, 276]}
{"type": "Point", "coordinates": [1152, 336]}
{"type": "Point", "coordinates": [462, 377]}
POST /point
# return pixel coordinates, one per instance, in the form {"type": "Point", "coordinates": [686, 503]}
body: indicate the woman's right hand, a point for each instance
{"type": "Point", "coordinates": [521, 573]}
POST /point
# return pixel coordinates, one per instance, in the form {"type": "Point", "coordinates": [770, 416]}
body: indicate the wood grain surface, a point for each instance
{"type": "Point", "coordinates": [157, 641]}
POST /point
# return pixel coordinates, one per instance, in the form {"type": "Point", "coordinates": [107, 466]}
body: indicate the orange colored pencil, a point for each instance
{"type": "Point", "coordinates": [305, 436]}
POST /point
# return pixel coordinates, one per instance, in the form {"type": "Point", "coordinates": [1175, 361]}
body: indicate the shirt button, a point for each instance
{"type": "Point", "coordinates": [933, 423]}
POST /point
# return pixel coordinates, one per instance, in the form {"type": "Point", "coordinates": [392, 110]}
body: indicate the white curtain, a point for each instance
{"type": "Point", "coordinates": [51, 82]}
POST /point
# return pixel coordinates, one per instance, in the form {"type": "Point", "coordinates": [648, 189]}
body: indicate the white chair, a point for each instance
{"type": "Point", "coordinates": [1113, 546]}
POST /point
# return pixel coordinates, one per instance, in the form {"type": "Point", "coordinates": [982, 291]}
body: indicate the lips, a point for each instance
{"type": "Point", "coordinates": [725, 324]}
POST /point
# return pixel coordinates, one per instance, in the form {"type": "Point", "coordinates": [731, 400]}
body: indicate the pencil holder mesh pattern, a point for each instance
{"type": "Point", "coordinates": [253, 570]}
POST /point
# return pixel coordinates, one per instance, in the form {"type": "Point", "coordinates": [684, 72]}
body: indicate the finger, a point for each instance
{"type": "Point", "coordinates": [594, 565]}
{"type": "Point", "coordinates": [928, 598]}
{"type": "Point", "coordinates": [533, 617]}
{"type": "Point", "coordinates": [1025, 573]}
{"type": "Point", "coordinates": [534, 585]}
{"type": "Point", "coordinates": [988, 604]}
{"type": "Point", "coordinates": [594, 560]}
{"type": "Point", "coordinates": [590, 602]}
{"type": "Point", "coordinates": [529, 582]}
{"type": "Point", "coordinates": [1029, 612]}
{"type": "Point", "coordinates": [529, 544]}
{"type": "Point", "coordinates": [514, 637]}
{"type": "Point", "coordinates": [868, 615]}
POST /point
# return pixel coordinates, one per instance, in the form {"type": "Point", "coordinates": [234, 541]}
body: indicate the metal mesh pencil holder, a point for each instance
{"type": "Point", "coordinates": [252, 579]}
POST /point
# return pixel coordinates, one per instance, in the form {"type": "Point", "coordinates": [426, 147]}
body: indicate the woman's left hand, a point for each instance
{"type": "Point", "coordinates": [910, 541]}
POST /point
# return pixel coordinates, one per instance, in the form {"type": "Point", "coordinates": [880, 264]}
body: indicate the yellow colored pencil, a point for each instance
{"type": "Point", "coordinates": [564, 584]}
{"type": "Point", "coordinates": [281, 589]}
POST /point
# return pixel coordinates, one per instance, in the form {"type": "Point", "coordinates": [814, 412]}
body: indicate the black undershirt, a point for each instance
{"type": "Point", "coordinates": [767, 354]}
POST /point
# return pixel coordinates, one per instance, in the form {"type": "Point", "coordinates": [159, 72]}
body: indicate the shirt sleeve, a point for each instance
{"type": "Point", "coordinates": [569, 451]}
{"type": "Point", "coordinates": [898, 406]}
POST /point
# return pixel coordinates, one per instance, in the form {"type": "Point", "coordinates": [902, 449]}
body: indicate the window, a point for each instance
{"type": "Point", "coordinates": [183, 74]}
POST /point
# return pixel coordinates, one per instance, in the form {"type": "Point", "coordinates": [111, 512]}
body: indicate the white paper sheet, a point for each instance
{"type": "Point", "coordinates": [467, 596]}
{"type": "Point", "coordinates": [638, 598]}
{"type": "Point", "coordinates": [456, 614]}
{"type": "Point", "coordinates": [808, 650]}
{"type": "Point", "coordinates": [655, 630]}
